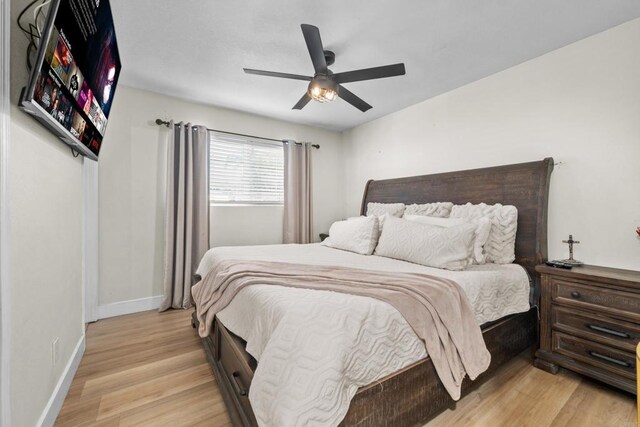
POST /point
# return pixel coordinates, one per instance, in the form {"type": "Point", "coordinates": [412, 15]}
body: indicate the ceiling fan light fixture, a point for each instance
{"type": "Point", "coordinates": [325, 86]}
{"type": "Point", "coordinates": [323, 89]}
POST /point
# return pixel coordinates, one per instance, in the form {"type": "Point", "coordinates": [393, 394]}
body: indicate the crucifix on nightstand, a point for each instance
{"type": "Point", "coordinates": [571, 242]}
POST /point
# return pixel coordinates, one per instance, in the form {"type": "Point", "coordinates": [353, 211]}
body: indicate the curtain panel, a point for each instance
{"type": "Point", "coordinates": [298, 213]}
{"type": "Point", "coordinates": [187, 211]}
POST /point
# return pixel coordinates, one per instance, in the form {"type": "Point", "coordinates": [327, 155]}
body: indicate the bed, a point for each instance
{"type": "Point", "coordinates": [414, 393]}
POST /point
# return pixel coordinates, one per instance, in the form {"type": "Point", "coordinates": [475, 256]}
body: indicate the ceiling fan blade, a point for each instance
{"type": "Point", "coordinates": [314, 45]}
{"type": "Point", "coordinates": [353, 99]}
{"type": "Point", "coordinates": [277, 74]}
{"type": "Point", "coordinates": [370, 73]}
{"type": "Point", "coordinates": [303, 101]}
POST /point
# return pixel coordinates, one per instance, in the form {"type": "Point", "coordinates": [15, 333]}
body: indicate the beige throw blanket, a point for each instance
{"type": "Point", "coordinates": [436, 308]}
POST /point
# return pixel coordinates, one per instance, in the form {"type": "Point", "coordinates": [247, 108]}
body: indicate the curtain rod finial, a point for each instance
{"type": "Point", "coordinates": [160, 122]}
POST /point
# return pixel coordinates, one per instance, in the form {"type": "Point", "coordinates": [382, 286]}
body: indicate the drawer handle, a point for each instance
{"type": "Point", "coordinates": [610, 359]}
{"type": "Point", "coordinates": [606, 330]}
{"type": "Point", "coordinates": [235, 381]}
{"type": "Point", "coordinates": [575, 294]}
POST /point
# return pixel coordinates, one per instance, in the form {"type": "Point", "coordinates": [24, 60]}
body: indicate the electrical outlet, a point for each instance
{"type": "Point", "coordinates": [55, 350]}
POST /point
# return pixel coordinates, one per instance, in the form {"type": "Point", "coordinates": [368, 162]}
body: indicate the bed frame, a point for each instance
{"type": "Point", "coordinates": [415, 394]}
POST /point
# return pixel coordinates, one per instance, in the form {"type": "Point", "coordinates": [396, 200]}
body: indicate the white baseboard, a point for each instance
{"type": "Point", "coordinates": [128, 307]}
{"type": "Point", "coordinates": [51, 411]}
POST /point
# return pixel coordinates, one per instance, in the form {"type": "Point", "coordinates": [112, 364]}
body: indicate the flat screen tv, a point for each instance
{"type": "Point", "coordinates": [73, 80]}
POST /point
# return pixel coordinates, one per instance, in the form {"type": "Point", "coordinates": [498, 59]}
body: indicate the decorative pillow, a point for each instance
{"type": "Point", "coordinates": [358, 234]}
{"type": "Point", "coordinates": [379, 209]}
{"type": "Point", "coordinates": [434, 220]}
{"type": "Point", "coordinates": [483, 228]}
{"type": "Point", "coordinates": [438, 209]}
{"type": "Point", "coordinates": [501, 245]}
{"type": "Point", "coordinates": [430, 245]}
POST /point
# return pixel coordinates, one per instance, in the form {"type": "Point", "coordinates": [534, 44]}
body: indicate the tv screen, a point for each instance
{"type": "Point", "coordinates": [74, 78]}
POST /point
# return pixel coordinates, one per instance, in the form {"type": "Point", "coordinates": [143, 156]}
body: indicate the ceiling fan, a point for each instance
{"type": "Point", "coordinates": [325, 86]}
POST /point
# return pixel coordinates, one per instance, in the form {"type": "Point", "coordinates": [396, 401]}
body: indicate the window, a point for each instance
{"type": "Point", "coordinates": [248, 171]}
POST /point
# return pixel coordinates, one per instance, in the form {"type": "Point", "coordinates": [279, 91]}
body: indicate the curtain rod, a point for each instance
{"type": "Point", "coordinates": [161, 122]}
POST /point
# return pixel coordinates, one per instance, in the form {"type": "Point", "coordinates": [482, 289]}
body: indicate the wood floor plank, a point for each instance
{"type": "Point", "coordinates": [78, 412]}
{"type": "Point", "coordinates": [485, 398]}
{"type": "Point", "coordinates": [149, 369]}
{"type": "Point", "coordinates": [112, 361]}
{"type": "Point", "coordinates": [541, 407]}
{"type": "Point", "coordinates": [198, 405]}
{"type": "Point", "coordinates": [140, 366]}
{"type": "Point", "coordinates": [113, 403]}
{"type": "Point", "coordinates": [139, 374]}
{"type": "Point", "coordinates": [596, 404]}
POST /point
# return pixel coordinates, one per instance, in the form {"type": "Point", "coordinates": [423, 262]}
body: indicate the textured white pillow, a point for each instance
{"type": "Point", "coordinates": [434, 220]}
{"type": "Point", "coordinates": [380, 209]}
{"type": "Point", "coordinates": [430, 245]}
{"type": "Point", "coordinates": [438, 209]}
{"type": "Point", "coordinates": [358, 234]}
{"type": "Point", "coordinates": [501, 245]}
{"type": "Point", "coordinates": [483, 228]}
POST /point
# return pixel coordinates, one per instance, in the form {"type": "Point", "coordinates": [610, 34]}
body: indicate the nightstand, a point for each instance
{"type": "Point", "coordinates": [590, 323]}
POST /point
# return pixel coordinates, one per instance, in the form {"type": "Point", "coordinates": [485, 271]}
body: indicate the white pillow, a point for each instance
{"type": "Point", "coordinates": [434, 220]}
{"type": "Point", "coordinates": [501, 245]}
{"type": "Point", "coordinates": [483, 228]}
{"type": "Point", "coordinates": [358, 234]}
{"type": "Point", "coordinates": [438, 209]}
{"type": "Point", "coordinates": [430, 245]}
{"type": "Point", "coordinates": [380, 209]}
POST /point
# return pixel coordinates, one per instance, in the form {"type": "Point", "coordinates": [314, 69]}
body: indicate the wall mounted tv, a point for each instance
{"type": "Point", "coordinates": [74, 77]}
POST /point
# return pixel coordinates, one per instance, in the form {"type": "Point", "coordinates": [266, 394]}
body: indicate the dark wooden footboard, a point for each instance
{"type": "Point", "coordinates": [415, 394]}
{"type": "Point", "coordinates": [407, 397]}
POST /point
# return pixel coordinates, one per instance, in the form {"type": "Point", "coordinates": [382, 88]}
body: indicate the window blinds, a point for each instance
{"type": "Point", "coordinates": [245, 170]}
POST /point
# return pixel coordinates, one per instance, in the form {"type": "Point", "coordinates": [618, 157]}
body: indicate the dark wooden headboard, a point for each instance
{"type": "Point", "coordinates": [524, 185]}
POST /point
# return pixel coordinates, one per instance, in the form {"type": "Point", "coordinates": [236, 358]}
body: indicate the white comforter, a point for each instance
{"type": "Point", "coordinates": [316, 348]}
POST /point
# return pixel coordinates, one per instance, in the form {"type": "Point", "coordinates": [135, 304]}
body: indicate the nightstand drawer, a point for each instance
{"type": "Point", "coordinates": [586, 296]}
{"type": "Point", "coordinates": [599, 328]}
{"type": "Point", "coordinates": [600, 357]}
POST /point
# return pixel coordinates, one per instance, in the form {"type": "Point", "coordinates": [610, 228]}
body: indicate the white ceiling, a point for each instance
{"type": "Point", "coordinates": [196, 49]}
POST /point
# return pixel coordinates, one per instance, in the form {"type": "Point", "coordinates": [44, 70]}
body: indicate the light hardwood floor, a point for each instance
{"type": "Point", "coordinates": [150, 369]}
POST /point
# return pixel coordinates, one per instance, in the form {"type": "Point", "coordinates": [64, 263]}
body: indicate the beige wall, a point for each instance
{"type": "Point", "coordinates": [245, 225]}
{"type": "Point", "coordinates": [579, 104]}
{"type": "Point", "coordinates": [45, 251]}
{"type": "Point", "coordinates": [132, 186]}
